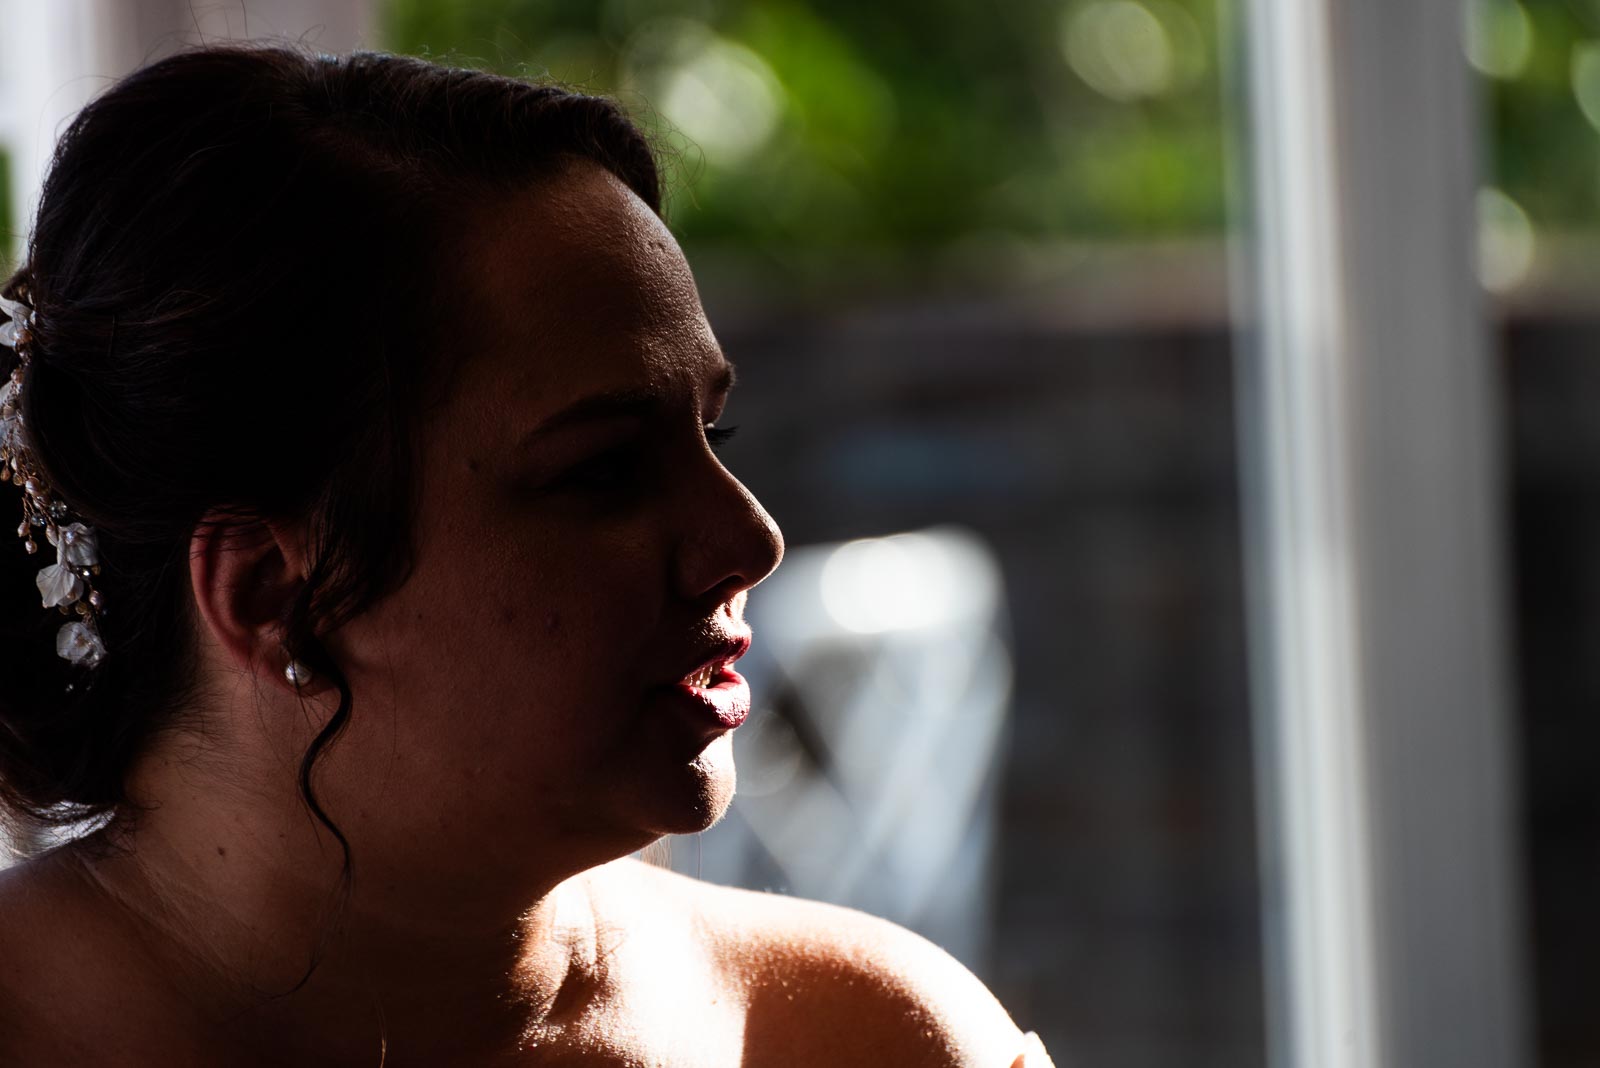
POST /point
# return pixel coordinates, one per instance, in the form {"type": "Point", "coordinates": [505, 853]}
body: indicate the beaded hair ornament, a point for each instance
{"type": "Point", "coordinates": [67, 584]}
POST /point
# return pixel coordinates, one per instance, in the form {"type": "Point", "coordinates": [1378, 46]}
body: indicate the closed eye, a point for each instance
{"type": "Point", "coordinates": [610, 471]}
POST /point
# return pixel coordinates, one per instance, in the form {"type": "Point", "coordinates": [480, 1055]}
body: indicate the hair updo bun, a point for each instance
{"type": "Point", "coordinates": [237, 276]}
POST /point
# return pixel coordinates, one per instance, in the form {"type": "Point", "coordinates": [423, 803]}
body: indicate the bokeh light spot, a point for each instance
{"type": "Point", "coordinates": [1119, 48]}
{"type": "Point", "coordinates": [1506, 241]}
{"type": "Point", "coordinates": [1499, 37]}
{"type": "Point", "coordinates": [905, 582]}
{"type": "Point", "coordinates": [1586, 79]}
{"type": "Point", "coordinates": [722, 95]}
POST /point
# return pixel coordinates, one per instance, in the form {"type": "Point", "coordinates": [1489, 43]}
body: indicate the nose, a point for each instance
{"type": "Point", "coordinates": [732, 544]}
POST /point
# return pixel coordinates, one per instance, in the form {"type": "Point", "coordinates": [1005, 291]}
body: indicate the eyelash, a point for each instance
{"type": "Point", "coordinates": [718, 436]}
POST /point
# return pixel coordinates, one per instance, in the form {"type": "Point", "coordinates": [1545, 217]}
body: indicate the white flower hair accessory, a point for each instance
{"type": "Point", "coordinates": [67, 584]}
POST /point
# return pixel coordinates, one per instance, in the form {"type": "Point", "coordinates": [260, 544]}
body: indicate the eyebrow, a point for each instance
{"type": "Point", "coordinates": [617, 404]}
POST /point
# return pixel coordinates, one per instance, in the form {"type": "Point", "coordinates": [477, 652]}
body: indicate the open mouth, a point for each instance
{"type": "Point", "coordinates": [713, 695]}
{"type": "Point", "coordinates": [715, 670]}
{"type": "Point", "coordinates": [705, 676]}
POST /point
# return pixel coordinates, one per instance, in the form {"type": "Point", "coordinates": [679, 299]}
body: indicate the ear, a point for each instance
{"type": "Point", "coordinates": [244, 574]}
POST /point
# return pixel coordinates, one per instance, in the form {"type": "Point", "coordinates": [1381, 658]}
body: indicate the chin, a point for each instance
{"type": "Point", "coordinates": [653, 798]}
{"type": "Point", "coordinates": [697, 795]}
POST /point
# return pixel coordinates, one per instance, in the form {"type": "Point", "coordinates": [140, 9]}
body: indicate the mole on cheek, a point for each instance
{"type": "Point", "coordinates": [474, 465]}
{"type": "Point", "coordinates": [552, 622]}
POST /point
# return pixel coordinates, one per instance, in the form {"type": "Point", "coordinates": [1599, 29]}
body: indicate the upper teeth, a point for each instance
{"type": "Point", "coordinates": [703, 677]}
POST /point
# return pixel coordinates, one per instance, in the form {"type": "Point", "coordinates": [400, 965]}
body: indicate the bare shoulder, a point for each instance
{"type": "Point", "coordinates": [830, 985]}
{"type": "Point", "coordinates": [32, 991]}
{"type": "Point", "coordinates": [16, 951]}
{"type": "Point", "coordinates": [72, 984]}
{"type": "Point", "coordinates": [25, 919]}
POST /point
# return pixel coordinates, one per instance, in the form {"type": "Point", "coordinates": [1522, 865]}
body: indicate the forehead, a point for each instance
{"type": "Point", "coordinates": [573, 286]}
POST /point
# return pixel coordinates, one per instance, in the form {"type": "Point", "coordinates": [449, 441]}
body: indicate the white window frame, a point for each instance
{"type": "Point", "coordinates": [55, 55]}
{"type": "Point", "coordinates": [1372, 457]}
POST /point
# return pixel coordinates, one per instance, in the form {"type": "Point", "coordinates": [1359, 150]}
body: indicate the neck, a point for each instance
{"type": "Point", "coordinates": [253, 925]}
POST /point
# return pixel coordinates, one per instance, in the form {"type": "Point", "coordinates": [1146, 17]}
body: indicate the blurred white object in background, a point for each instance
{"type": "Point", "coordinates": [867, 775]}
{"type": "Point", "coordinates": [55, 55]}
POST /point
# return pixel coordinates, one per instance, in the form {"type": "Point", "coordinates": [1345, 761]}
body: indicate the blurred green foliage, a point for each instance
{"type": "Point", "coordinates": [900, 127]}
{"type": "Point", "coordinates": [1541, 60]}
{"type": "Point", "coordinates": [904, 128]}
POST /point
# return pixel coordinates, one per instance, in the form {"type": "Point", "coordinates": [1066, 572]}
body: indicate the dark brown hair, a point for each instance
{"type": "Point", "coordinates": [239, 273]}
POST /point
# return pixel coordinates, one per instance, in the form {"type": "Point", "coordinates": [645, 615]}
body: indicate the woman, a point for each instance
{"type": "Point", "coordinates": [363, 418]}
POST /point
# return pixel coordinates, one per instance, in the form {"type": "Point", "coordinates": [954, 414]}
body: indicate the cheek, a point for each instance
{"type": "Point", "coordinates": [537, 646]}
{"type": "Point", "coordinates": [567, 597]}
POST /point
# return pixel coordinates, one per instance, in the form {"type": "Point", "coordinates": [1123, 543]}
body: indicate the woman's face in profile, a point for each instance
{"type": "Point", "coordinates": [579, 549]}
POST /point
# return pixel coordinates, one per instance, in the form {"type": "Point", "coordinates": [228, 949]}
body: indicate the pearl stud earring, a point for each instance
{"type": "Point", "coordinates": [296, 673]}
